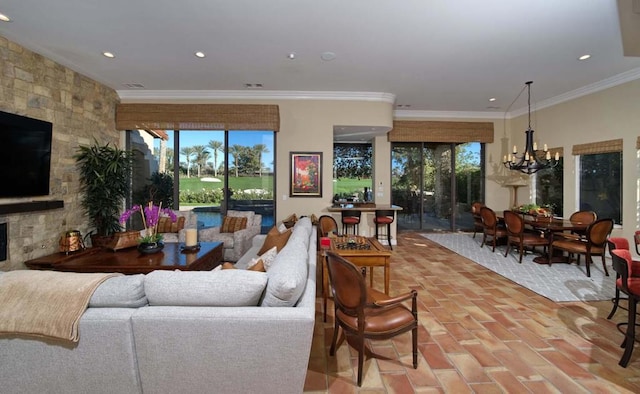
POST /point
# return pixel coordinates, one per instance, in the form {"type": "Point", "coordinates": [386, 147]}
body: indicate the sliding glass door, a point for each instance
{"type": "Point", "coordinates": [216, 170]}
{"type": "Point", "coordinates": [435, 184]}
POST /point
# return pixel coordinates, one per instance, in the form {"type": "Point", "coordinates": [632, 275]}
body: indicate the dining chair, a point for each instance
{"type": "Point", "coordinates": [621, 243]}
{"type": "Point", "coordinates": [490, 227]}
{"type": "Point", "coordinates": [364, 313]}
{"type": "Point", "coordinates": [518, 235]}
{"type": "Point", "coordinates": [585, 217]}
{"type": "Point", "coordinates": [594, 244]}
{"type": "Point", "coordinates": [622, 263]}
{"type": "Point", "coordinates": [477, 218]}
{"type": "Point", "coordinates": [326, 225]}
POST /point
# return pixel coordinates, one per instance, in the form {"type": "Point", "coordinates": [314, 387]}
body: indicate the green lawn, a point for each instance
{"type": "Point", "coordinates": [343, 186]}
{"type": "Point", "coordinates": [239, 183]}
{"type": "Point", "coordinates": [351, 185]}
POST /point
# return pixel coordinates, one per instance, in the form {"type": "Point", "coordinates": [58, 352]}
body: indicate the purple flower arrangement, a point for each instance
{"type": "Point", "coordinates": [150, 217]}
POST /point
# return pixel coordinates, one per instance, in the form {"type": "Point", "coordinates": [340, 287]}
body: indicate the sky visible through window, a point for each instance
{"type": "Point", "coordinates": [242, 137]}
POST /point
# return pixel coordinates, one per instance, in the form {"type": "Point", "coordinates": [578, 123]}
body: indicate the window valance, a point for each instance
{"type": "Point", "coordinates": [598, 147]}
{"type": "Point", "coordinates": [197, 117]}
{"type": "Point", "coordinates": [440, 131]}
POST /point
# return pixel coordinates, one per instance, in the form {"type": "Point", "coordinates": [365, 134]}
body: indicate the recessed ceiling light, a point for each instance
{"type": "Point", "coordinates": [492, 99]}
{"type": "Point", "coordinates": [109, 55]}
{"type": "Point", "coordinates": [291, 56]}
{"type": "Point", "coordinates": [327, 56]}
{"type": "Point", "coordinates": [200, 54]}
{"type": "Point", "coordinates": [4, 18]}
{"type": "Point", "coordinates": [584, 57]}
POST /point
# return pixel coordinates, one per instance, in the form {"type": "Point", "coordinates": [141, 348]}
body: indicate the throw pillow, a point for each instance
{"type": "Point", "coordinates": [258, 266]}
{"type": "Point", "coordinates": [291, 220]}
{"type": "Point", "coordinates": [231, 224]}
{"type": "Point", "coordinates": [275, 238]}
{"type": "Point", "coordinates": [165, 225]}
{"type": "Point", "coordinates": [266, 259]}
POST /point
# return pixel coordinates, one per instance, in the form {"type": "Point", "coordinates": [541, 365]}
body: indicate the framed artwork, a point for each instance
{"type": "Point", "coordinates": [306, 174]}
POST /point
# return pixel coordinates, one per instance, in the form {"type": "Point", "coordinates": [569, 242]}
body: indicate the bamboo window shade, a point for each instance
{"type": "Point", "coordinates": [197, 117]}
{"type": "Point", "coordinates": [440, 131]}
{"type": "Point", "coordinates": [598, 147]}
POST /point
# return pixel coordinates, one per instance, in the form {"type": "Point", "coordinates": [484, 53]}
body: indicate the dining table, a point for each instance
{"type": "Point", "coordinates": [548, 226]}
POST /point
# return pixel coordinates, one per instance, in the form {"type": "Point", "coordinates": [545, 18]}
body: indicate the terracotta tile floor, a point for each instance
{"type": "Point", "coordinates": [478, 333]}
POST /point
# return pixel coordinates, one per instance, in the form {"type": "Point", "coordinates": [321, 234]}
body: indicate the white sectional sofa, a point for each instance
{"type": "Point", "coordinates": [177, 332]}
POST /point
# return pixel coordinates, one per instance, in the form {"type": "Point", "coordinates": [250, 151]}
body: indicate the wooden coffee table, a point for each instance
{"type": "Point", "coordinates": [375, 256]}
{"type": "Point", "coordinates": [130, 261]}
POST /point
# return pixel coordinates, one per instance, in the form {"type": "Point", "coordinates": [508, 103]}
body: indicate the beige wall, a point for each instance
{"type": "Point", "coordinates": [80, 110]}
{"type": "Point", "coordinates": [609, 114]}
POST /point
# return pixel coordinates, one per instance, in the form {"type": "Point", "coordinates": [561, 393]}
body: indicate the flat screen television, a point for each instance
{"type": "Point", "coordinates": [25, 156]}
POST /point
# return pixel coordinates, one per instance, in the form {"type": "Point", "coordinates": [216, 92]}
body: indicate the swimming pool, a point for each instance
{"type": "Point", "coordinates": [211, 217]}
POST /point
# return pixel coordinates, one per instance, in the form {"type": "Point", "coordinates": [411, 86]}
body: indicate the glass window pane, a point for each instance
{"type": "Point", "coordinates": [352, 178]}
{"type": "Point", "coordinates": [469, 182]}
{"type": "Point", "coordinates": [549, 188]}
{"type": "Point", "coordinates": [601, 185]}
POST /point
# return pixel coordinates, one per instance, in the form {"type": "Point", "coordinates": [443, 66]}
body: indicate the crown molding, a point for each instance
{"type": "Point", "coordinates": [406, 114]}
{"type": "Point", "coordinates": [616, 80]}
{"type": "Point", "coordinates": [180, 95]}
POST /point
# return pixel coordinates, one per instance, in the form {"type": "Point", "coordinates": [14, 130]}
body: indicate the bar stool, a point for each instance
{"type": "Point", "coordinates": [384, 217]}
{"type": "Point", "coordinates": [350, 218]}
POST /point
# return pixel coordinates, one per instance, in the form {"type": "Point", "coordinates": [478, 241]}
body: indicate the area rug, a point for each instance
{"type": "Point", "coordinates": [558, 282]}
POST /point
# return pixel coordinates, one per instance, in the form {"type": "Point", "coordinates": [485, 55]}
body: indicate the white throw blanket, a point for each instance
{"type": "Point", "coordinates": [45, 303]}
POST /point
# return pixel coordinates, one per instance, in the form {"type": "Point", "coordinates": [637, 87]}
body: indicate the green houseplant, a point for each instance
{"type": "Point", "coordinates": [104, 183]}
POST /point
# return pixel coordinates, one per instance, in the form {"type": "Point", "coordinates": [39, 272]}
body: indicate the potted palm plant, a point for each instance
{"type": "Point", "coordinates": [104, 183]}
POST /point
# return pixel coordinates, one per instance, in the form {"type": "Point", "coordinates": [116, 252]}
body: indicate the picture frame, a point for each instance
{"type": "Point", "coordinates": [305, 177]}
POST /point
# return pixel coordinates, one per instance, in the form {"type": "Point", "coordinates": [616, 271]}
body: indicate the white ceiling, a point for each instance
{"type": "Point", "coordinates": [438, 56]}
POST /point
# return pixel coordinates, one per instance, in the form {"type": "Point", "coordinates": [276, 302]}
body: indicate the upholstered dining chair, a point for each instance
{"type": "Point", "coordinates": [621, 243]}
{"type": "Point", "coordinates": [477, 219]}
{"type": "Point", "coordinates": [490, 227]}
{"type": "Point", "coordinates": [364, 313]}
{"type": "Point", "coordinates": [517, 235]}
{"type": "Point", "coordinates": [622, 264]}
{"type": "Point", "coordinates": [594, 244]}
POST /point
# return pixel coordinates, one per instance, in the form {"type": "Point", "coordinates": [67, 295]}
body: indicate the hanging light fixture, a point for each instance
{"type": "Point", "coordinates": [531, 160]}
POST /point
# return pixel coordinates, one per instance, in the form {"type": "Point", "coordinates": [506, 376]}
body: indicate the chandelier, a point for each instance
{"type": "Point", "coordinates": [531, 160]}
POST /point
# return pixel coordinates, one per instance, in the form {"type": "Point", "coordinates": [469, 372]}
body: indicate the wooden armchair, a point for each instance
{"type": "Point", "coordinates": [594, 244]}
{"type": "Point", "coordinates": [366, 313]}
{"type": "Point", "coordinates": [517, 235]}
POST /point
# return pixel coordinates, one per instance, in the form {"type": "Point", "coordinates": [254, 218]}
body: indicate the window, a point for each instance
{"type": "Point", "coordinates": [549, 189]}
{"type": "Point", "coordinates": [601, 184]}
{"type": "Point", "coordinates": [352, 171]}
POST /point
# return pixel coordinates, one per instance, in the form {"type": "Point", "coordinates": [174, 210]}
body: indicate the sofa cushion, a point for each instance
{"type": "Point", "coordinates": [275, 238]}
{"type": "Point", "coordinates": [205, 288]}
{"type": "Point", "coordinates": [231, 224]}
{"type": "Point", "coordinates": [287, 276]}
{"type": "Point", "coordinates": [120, 292]}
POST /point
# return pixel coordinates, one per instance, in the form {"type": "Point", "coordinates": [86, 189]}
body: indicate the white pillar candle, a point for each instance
{"type": "Point", "coordinates": [191, 237]}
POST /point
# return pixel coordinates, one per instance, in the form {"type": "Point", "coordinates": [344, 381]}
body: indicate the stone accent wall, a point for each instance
{"type": "Point", "coordinates": [81, 110]}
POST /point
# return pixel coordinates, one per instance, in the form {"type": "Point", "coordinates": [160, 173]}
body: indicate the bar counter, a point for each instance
{"type": "Point", "coordinates": [367, 227]}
